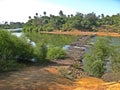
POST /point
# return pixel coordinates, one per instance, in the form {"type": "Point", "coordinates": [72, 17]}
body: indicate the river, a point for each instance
{"type": "Point", "coordinates": [19, 34]}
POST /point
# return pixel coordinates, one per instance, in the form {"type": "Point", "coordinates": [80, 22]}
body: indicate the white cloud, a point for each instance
{"type": "Point", "coordinates": [19, 10]}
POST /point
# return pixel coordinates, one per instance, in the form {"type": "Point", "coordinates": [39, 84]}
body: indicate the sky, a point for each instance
{"type": "Point", "coordinates": [20, 10]}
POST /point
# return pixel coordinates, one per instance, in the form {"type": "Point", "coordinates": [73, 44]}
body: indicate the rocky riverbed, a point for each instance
{"type": "Point", "coordinates": [77, 48]}
{"type": "Point", "coordinates": [75, 52]}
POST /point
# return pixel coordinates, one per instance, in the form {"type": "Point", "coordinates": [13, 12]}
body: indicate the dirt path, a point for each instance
{"type": "Point", "coordinates": [76, 32]}
{"type": "Point", "coordinates": [37, 78]}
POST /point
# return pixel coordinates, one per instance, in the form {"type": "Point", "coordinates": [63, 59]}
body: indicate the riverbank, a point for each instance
{"type": "Point", "coordinates": [53, 76]}
{"type": "Point", "coordinates": [49, 77]}
{"type": "Point", "coordinates": [76, 32]}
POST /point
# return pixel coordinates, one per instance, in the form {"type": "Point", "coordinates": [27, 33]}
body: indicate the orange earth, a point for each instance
{"type": "Point", "coordinates": [76, 32]}
{"type": "Point", "coordinates": [47, 78]}
{"type": "Point", "coordinates": [91, 83]}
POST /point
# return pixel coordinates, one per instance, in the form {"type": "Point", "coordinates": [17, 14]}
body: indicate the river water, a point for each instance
{"type": "Point", "coordinates": [19, 34]}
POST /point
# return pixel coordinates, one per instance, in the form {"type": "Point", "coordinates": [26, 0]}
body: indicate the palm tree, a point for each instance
{"type": "Point", "coordinates": [61, 13]}
{"type": "Point", "coordinates": [71, 15]}
{"type": "Point", "coordinates": [36, 14]}
{"type": "Point", "coordinates": [102, 15]}
{"type": "Point", "coordinates": [68, 16]}
{"type": "Point", "coordinates": [29, 17]}
{"type": "Point", "coordinates": [44, 13]}
{"type": "Point", "coordinates": [35, 17]}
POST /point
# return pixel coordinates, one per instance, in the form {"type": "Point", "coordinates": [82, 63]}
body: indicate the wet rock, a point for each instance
{"type": "Point", "coordinates": [77, 48]}
{"type": "Point", "coordinates": [75, 52]}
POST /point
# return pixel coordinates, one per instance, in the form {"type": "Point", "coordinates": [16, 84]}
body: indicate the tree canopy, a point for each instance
{"type": "Point", "coordinates": [79, 21]}
{"type": "Point", "coordinates": [11, 25]}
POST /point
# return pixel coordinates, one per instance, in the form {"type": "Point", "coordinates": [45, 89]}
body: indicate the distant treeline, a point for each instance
{"type": "Point", "coordinates": [11, 25]}
{"type": "Point", "coordinates": [79, 21]}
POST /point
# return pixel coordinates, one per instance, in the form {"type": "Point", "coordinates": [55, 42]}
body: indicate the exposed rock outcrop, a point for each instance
{"type": "Point", "coordinates": [77, 48]}
{"type": "Point", "coordinates": [76, 52]}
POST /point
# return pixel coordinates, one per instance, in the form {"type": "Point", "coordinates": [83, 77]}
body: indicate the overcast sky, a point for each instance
{"type": "Point", "coordinates": [19, 10]}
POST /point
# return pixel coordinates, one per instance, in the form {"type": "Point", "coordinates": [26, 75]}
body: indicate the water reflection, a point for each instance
{"type": "Point", "coordinates": [19, 34]}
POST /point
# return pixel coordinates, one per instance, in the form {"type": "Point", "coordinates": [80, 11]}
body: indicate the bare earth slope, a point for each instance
{"type": "Point", "coordinates": [47, 78]}
{"type": "Point", "coordinates": [76, 32]}
{"type": "Point", "coordinates": [37, 78]}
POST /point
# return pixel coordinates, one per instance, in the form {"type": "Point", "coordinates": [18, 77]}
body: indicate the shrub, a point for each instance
{"type": "Point", "coordinates": [12, 47]}
{"type": "Point", "coordinates": [10, 65]}
{"type": "Point", "coordinates": [115, 61]}
{"type": "Point", "coordinates": [40, 52]}
{"type": "Point", "coordinates": [49, 29]}
{"type": "Point", "coordinates": [95, 58]}
{"type": "Point", "coordinates": [55, 53]}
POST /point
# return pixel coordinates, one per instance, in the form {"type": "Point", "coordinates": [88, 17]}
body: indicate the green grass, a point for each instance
{"type": "Point", "coordinates": [51, 39]}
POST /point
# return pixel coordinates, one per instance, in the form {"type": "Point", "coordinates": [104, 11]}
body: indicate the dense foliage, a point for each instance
{"type": "Point", "coordinates": [55, 53]}
{"type": "Point", "coordinates": [12, 47]}
{"type": "Point", "coordinates": [85, 22]}
{"type": "Point", "coordinates": [12, 50]}
{"type": "Point", "coordinates": [99, 55]}
{"type": "Point", "coordinates": [11, 25]}
{"type": "Point", "coordinates": [40, 52]}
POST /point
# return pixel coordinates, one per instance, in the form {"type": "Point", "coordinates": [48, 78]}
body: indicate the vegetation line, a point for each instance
{"type": "Point", "coordinates": [79, 21]}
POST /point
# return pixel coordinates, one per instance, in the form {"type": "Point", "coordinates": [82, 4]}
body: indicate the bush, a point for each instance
{"type": "Point", "coordinates": [95, 58]}
{"type": "Point", "coordinates": [49, 29]}
{"type": "Point", "coordinates": [67, 27]}
{"type": "Point", "coordinates": [40, 52]}
{"type": "Point", "coordinates": [115, 61]}
{"type": "Point", "coordinates": [10, 65]}
{"type": "Point", "coordinates": [55, 53]}
{"type": "Point", "coordinates": [14, 48]}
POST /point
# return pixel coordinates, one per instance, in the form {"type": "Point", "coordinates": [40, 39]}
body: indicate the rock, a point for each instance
{"type": "Point", "coordinates": [76, 52]}
{"type": "Point", "coordinates": [77, 48]}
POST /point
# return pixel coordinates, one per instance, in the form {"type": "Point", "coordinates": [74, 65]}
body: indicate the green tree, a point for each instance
{"type": "Point", "coordinates": [61, 13]}
{"type": "Point", "coordinates": [88, 22]}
